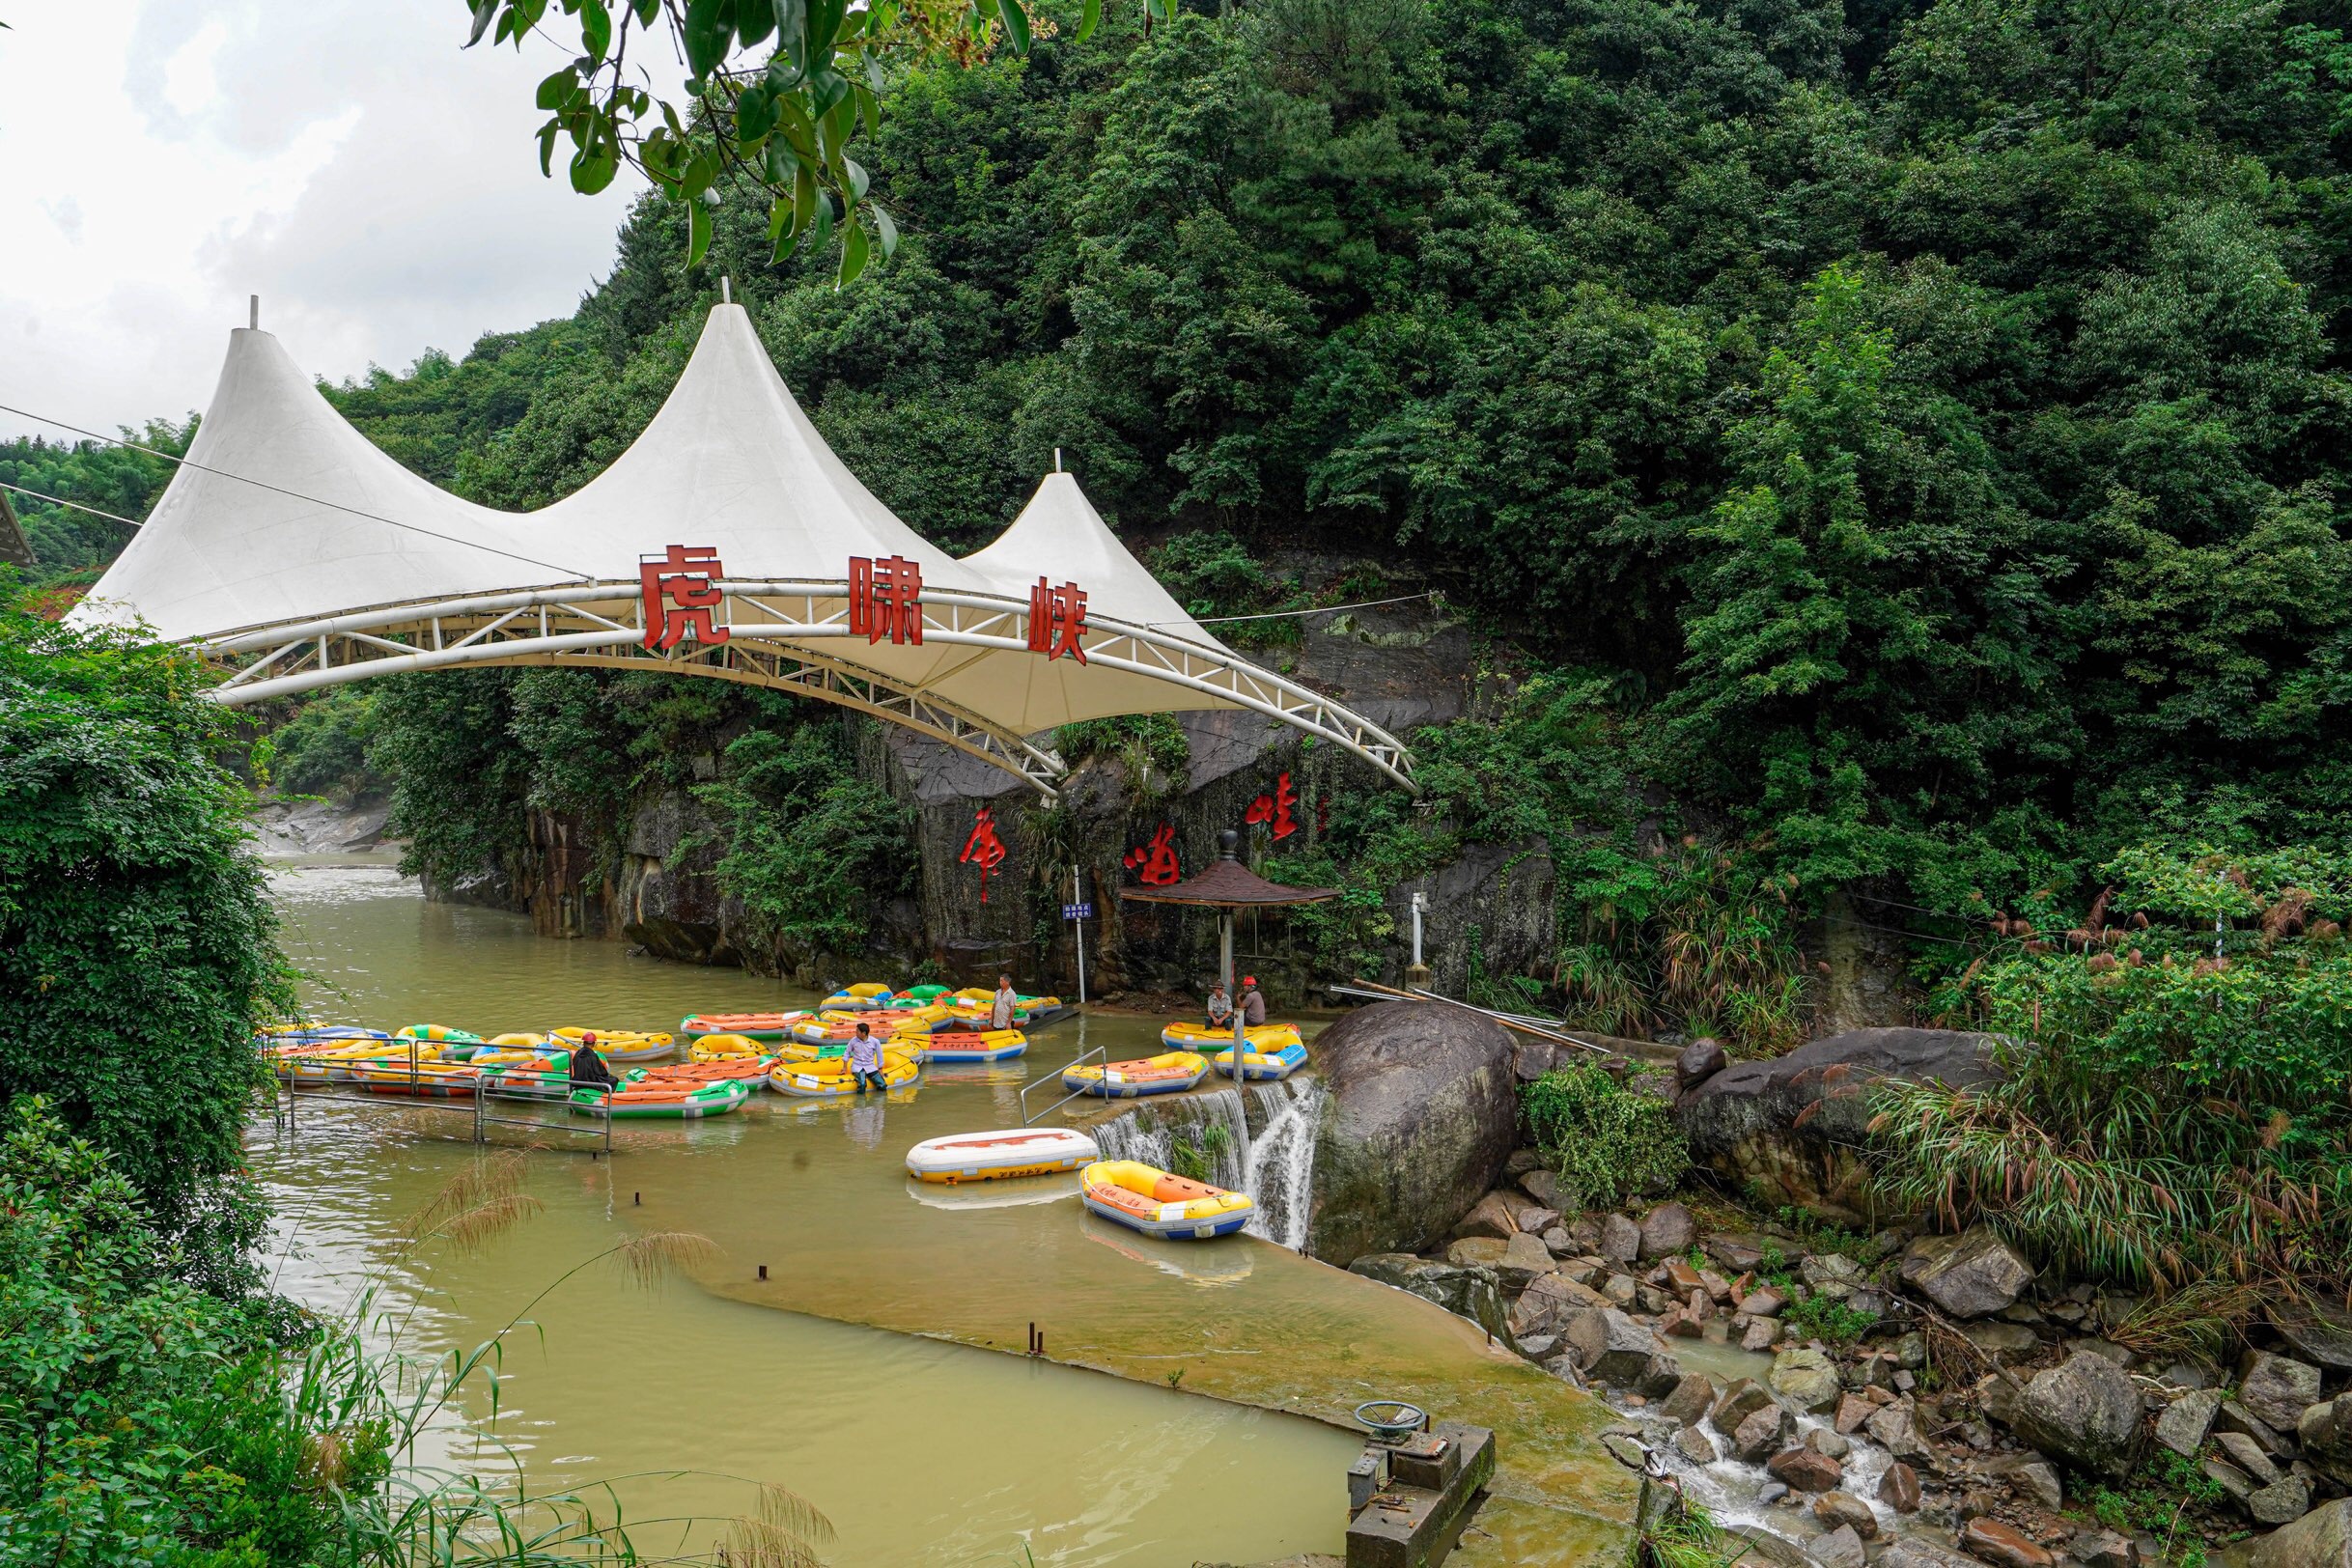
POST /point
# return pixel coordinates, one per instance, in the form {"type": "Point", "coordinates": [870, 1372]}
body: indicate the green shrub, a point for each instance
{"type": "Point", "coordinates": [138, 946]}
{"type": "Point", "coordinates": [1831, 1322]}
{"type": "Point", "coordinates": [325, 746]}
{"type": "Point", "coordinates": [1607, 1142]}
{"type": "Point", "coordinates": [2163, 1122]}
{"type": "Point", "coordinates": [141, 1420]}
{"type": "Point", "coordinates": [811, 847]}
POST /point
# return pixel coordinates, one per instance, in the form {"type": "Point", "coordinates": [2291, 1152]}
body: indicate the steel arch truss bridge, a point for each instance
{"type": "Point", "coordinates": [296, 555]}
{"type": "Point", "coordinates": [791, 635]}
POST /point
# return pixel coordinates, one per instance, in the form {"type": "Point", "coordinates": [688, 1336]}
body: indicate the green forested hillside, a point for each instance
{"type": "Point", "coordinates": [1928, 422]}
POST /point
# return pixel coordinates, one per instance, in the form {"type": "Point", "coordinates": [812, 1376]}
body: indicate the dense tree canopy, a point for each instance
{"type": "Point", "coordinates": [1928, 420]}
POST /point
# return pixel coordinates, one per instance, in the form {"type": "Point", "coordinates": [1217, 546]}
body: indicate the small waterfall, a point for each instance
{"type": "Point", "coordinates": [1285, 1117]}
{"type": "Point", "coordinates": [1282, 1159]}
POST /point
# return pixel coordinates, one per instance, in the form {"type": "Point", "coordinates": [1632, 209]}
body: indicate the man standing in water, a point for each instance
{"type": "Point", "coordinates": [866, 1058]}
{"type": "Point", "coordinates": [1001, 1010]}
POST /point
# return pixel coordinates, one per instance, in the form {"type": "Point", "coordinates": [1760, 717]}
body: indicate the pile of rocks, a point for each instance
{"type": "Point", "coordinates": [1860, 1453]}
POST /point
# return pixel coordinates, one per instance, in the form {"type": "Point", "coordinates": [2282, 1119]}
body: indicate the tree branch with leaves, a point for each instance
{"type": "Point", "coordinates": [780, 125]}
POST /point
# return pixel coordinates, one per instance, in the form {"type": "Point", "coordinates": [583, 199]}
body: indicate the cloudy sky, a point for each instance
{"type": "Point", "coordinates": [160, 161]}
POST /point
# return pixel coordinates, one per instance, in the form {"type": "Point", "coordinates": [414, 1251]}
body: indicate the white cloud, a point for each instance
{"type": "Point", "coordinates": [375, 184]}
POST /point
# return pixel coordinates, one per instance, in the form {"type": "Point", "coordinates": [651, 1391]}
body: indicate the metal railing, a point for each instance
{"type": "Point", "coordinates": [1028, 1116]}
{"type": "Point", "coordinates": [478, 1109]}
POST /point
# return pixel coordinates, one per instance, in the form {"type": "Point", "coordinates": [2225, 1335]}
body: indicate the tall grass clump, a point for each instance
{"type": "Point", "coordinates": [2167, 1116]}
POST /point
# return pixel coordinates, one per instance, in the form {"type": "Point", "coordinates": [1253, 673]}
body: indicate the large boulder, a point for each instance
{"type": "Point", "coordinates": [2320, 1539]}
{"type": "Point", "coordinates": [1423, 1115]}
{"type": "Point", "coordinates": [1967, 1275]}
{"type": "Point", "coordinates": [2085, 1411]}
{"type": "Point", "coordinates": [2326, 1433]}
{"type": "Point", "coordinates": [1793, 1124]}
{"type": "Point", "coordinates": [1471, 1292]}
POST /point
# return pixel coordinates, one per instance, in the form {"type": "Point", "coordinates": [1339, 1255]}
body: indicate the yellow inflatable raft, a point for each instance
{"type": "Point", "coordinates": [1146, 1199]}
{"type": "Point", "coordinates": [1171, 1073]}
{"type": "Point", "coordinates": [830, 1080]}
{"type": "Point", "coordinates": [1266, 1039]}
{"type": "Point", "coordinates": [722, 1047]}
{"type": "Point", "coordinates": [621, 1044]}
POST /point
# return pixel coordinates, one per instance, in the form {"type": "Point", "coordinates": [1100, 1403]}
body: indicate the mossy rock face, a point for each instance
{"type": "Point", "coordinates": [1423, 1115]}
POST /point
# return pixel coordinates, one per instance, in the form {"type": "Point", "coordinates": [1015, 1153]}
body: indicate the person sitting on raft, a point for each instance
{"type": "Point", "coordinates": [1000, 1011]}
{"type": "Point", "coordinates": [588, 1069]}
{"type": "Point", "coordinates": [1253, 1002]}
{"type": "Point", "coordinates": [866, 1058]}
{"type": "Point", "coordinates": [1220, 1006]}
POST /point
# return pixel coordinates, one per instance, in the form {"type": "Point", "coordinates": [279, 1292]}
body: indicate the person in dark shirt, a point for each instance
{"type": "Point", "coordinates": [588, 1069]}
{"type": "Point", "coordinates": [1253, 1003]}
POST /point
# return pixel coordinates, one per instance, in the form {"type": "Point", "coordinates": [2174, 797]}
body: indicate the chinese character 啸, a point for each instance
{"type": "Point", "coordinates": [1275, 808]}
{"type": "Point", "coordinates": [887, 599]}
{"type": "Point", "coordinates": [984, 848]}
{"type": "Point", "coordinates": [1058, 620]}
{"type": "Point", "coordinates": [681, 590]}
{"type": "Point", "coordinates": [1155, 864]}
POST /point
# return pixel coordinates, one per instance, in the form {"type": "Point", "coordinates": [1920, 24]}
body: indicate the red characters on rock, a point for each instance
{"type": "Point", "coordinates": [886, 600]}
{"type": "Point", "coordinates": [1155, 863]}
{"type": "Point", "coordinates": [1275, 808]}
{"type": "Point", "coordinates": [984, 848]}
{"type": "Point", "coordinates": [681, 590]}
{"type": "Point", "coordinates": [1058, 620]}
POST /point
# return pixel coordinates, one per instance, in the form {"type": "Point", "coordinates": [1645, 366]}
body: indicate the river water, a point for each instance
{"type": "Point", "coordinates": [867, 1370]}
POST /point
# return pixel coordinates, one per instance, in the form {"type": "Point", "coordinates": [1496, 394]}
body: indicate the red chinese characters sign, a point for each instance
{"type": "Point", "coordinates": [984, 848]}
{"type": "Point", "coordinates": [1155, 863]}
{"type": "Point", "coordinates": [1058, 620]}
{"type": "Point", "coordinates": [680, 589]}
{"type": "Point", "coordinates": [1274, 809]}
{"type": "Point", "coordinates": [886, 600]}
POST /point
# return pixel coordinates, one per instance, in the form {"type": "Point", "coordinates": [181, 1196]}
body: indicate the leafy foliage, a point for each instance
{"type": "Point", "coordinates": [68, 543]}
{"type": "Point", "coordinates": [2174, 1117]}
{"type": "Point", "coordinates": [1606, 1140]}
{"type": "Point", "coordinates": [137, 942]}
{"type": "Point", "coordinates": [810, 848]}
{"type": "Point", "coordinates": [141, 1420]}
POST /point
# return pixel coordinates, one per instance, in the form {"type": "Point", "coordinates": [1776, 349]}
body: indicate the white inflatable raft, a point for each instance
{"type": "Point", "coordinates": [979, 1157]}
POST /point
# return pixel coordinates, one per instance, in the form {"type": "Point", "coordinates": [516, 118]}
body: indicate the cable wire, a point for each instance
{"type": "Point", "coordinates": [260, 484]}
{"type": "Point", "coordinates": [59, 500]}
{"type": "Point", "coordinates": [1276, 615]}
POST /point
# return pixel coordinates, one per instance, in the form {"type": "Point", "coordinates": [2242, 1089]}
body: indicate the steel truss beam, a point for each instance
{"type": "Point", "coordinates": [769, 624]}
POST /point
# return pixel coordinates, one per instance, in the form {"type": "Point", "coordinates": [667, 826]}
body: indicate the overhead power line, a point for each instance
{"type": "Point", "coordinates": [59, 500]}
{"type": "Point", "coordinates": [313, 500]}
{"type": "Point", "coordinates": [1318, 609]}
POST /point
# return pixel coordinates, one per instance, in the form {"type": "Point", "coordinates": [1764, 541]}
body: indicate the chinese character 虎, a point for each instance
{"type": "Point", "coordinates": [1057, 619]}
{"type": "Point", "coordinates": [886, 599]}
{"type": "Point", "coordinates": [984, 848]}
{"type": "Point", "coordinates": [680, 593]}
{"type": "Point", "coordinates": [1275, 808]}
{"type": "Point", "coordinates": [1155, 864]}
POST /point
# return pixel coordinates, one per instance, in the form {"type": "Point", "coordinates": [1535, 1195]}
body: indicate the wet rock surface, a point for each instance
{"type": "Point", "coordinates": [1421, 1115]}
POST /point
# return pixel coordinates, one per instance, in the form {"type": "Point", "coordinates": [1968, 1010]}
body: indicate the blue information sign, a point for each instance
{"type": "Point", "coordinates": [1077, 911]}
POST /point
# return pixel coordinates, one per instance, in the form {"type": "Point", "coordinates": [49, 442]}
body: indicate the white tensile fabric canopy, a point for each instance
{"type": "Point", "coordinates": [284, 522]}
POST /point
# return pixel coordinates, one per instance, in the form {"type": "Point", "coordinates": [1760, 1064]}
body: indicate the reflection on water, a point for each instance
{"type": "Point", "coordinates": [922, 1450]}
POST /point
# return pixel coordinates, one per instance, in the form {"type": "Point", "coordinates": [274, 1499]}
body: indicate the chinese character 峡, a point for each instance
{"type": "Point", "coordinates": [1275, 808]}
{"type": "Point", "coordinates": [886, 599]}
{"type": "Point", "coordinates": [1155, 864]}
{"type": "Point", "coordinates": [680, 594]}
{"type": "Point", "coordinates": [984, 848]}
{"type": "Point", "coordinates": [1057, 619]}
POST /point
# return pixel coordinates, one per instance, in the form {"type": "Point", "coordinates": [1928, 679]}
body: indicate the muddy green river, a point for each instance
{"type": "Point", "coordinates": [877, 1370]}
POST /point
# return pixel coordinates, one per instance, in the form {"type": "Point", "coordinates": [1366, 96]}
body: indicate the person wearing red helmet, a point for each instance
{"type": "Point", "coordinates": [1252, 1008]}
